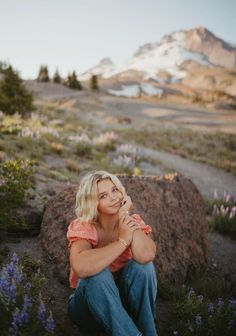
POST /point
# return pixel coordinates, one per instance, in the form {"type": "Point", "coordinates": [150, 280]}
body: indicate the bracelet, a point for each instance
{"type": "Point", "coordinates": [123, 241]}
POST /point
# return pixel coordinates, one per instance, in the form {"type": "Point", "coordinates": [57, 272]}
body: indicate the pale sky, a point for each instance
{"type": "Point", "coordinates": [77, 34]}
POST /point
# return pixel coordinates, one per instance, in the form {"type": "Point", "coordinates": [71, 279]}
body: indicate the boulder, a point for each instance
{"type": "Point", "coordinates": [171, 204]}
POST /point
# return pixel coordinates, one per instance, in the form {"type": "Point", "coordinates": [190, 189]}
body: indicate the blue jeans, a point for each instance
{"type": "Point", "coordinates": [124, 306]}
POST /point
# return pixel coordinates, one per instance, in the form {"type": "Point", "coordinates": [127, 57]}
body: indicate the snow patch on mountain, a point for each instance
{"type": "Point", "coordinates": [136, 90]}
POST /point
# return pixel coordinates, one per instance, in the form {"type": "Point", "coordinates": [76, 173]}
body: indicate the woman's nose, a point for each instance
{"type": "Point", "coordinates": [112, 197]}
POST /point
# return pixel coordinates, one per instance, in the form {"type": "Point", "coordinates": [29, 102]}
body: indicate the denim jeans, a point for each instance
{"type": "Point", "coordinates": [124, 306]}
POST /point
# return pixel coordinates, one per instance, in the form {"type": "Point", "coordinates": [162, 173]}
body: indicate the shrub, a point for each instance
{"type": "Point", "coordinates": [14, 97]}
{"type": "Point", "coordinates": [223, 214]}
{"type": "Point", "coordinates": [72, 82]}
{"type": "Point", "coordinates": [16, 178]}
{"type": "Point", "coordinates": [199, 316]}
{"type": "Point", "coordinates": [23, 311]}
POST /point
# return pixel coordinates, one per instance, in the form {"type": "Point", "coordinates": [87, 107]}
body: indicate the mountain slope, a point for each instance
{"type": "Point", "coordinates": [169, 60]}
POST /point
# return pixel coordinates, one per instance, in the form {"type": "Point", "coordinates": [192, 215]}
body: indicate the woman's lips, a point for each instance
{"type": "Point", "coordinates": [116, 204]}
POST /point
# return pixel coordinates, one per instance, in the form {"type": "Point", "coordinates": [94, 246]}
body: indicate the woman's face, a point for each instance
{"type": "Point", "coordinates": [109, 197]}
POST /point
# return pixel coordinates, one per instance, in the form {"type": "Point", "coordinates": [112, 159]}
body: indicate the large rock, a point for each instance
{"type": "Point", "coordinates": [171, 205]}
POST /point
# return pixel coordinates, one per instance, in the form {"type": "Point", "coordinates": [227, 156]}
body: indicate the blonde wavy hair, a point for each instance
{"type": "Point", "coordinates": [87, 194]}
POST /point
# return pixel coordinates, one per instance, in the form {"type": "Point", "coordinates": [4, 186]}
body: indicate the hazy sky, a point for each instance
{"type": "Point", "coordinates": [77, 34]}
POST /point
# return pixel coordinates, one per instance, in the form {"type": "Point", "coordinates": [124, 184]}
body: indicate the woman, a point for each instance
{"type": "Point", "coordinates": [111, 257]}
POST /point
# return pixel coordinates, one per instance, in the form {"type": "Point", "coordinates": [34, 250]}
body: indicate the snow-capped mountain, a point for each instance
{"type": "Point", "coordinates": [168, 60]}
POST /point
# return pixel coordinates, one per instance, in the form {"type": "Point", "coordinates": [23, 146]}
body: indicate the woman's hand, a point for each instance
{"type": "Point", "coordinates": [127, 225]}
{"type": "Point", "coordinates": [126, 205]}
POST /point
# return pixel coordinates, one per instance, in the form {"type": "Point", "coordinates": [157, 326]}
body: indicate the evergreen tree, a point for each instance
{"type": "Point", "coordinates": [56, 77]}
{"type": "Point", "coordinates": [43, 75]}
{"type": "Point", "coordinates": [94, 82]}
{"type": "Point", "coordinates": [3, 67]}
{"type": "Point", "coordinates": [14, 97]}
{"type": "Point", "coordinates": [72, 82]}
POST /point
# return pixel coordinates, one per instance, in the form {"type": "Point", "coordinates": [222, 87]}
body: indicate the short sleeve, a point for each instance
{"type": "Point", "coordinates": [81, 230]}
{"type": "Point", "coordinates": [144, 227]}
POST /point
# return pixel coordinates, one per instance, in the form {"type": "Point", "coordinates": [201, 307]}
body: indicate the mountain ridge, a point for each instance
{"type": "Point", "coordinates": [197, 45]}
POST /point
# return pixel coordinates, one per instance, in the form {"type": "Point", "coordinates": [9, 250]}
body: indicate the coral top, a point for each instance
{"type": "Point", "coordinates": [85, 231]}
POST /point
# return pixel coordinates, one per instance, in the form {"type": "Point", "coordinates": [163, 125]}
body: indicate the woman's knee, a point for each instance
{"type": "Point", "coordinates": [145, 270]}
{"type": "Point", "coordinates": [100, 278]}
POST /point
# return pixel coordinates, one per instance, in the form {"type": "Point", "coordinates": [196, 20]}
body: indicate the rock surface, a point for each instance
{"type": "Point", "coordinates": [171, 205]}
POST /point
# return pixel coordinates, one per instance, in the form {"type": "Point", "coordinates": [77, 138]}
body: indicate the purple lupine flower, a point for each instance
{"type": "Point", "coordinates": [200, 297]}
{"type": "Point", "coordinates": [191, 292]}
{"type": "Point", "coordinates": [234, 313]}
{"type": "Point", "coordinates": [230, 324]}
{"type": "Point", "coordinates": [41, 312]}
{"type": "Point", "coordinates": [220, 302]}
{"type": "Point", "coordinates": [210, 308]}
{"type": "Point", "coordinates": [7, 289]}
{"type": "Point", "coordinates": [232, 303]}
{"type": "Point", "coordinates": [18, 320]}
{"type": "Point", "coordinates": [15, 259]}
{"type": "Point", "coordinates": [27, 304]}
{"type": "Point", "coordinates": [198, 320]}
{"type": "Point", "coordinates": [50, 324]}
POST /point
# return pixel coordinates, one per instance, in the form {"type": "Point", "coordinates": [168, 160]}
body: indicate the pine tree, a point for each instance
{"type": "Point", "coordinates": [94, 82]}
{"type": "Point", "coordinates": [56, 77]}
{"type": "Point", "coordinates": [72, 82]}
{"type": "Point", "coordinates": [14, 97]}
{"type": "Point", "coordinates": [3, 67]}
{"type": "Point", "coordinates": [43, 75]}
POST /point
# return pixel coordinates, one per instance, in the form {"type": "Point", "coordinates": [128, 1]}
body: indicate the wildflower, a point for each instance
{"type": "Point", "coordinates": [220, 303]}
{"type": "Point", "coordinates": [230, 324]}
{"type": "Point", "coordinates": [210, 308]}
{"type": "Point", "coordinates": [18, 320]}
{"type": "Point", "coordinates": [105, 138]}
{"type": "Point", "coordinates": [200, 297]}
{"type": "Point", "coordinates": [125, 161]}
{"type": "Point", "coordinates": [27, 303]}
{"type": "Point", "coordinates": [80, 138]}
{"type": "Point", "coordinates": [128, 149]}
{"type": "Point", "coordinates": [214, 211]}
{"type": "Point", "coordinates": [41, 312]}
{"type": "Point", "coordinates": [232, 212]}
{"type": "Point", "coordinates": [190, 328]}
{"type": "Point", "coordinates": [232, 303]}
{"type": "Point", "coordinates": [228, 198]}
{"type": "Point", "coordinates": [191, 292]}
{"type": "Point", "coordinates": [215, 194]}
{"type": "Point", "coordinates": [198, 320]}
{"type": "Point", "coordinates": [222, 210]}
{"type": "Point", "coordinates": [50, 324]}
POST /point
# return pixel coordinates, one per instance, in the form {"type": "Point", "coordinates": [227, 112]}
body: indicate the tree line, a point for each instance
{"type": "Point", "coordinates": [15, 97]}
{"type": "Point", "coordinates": [71, 80]}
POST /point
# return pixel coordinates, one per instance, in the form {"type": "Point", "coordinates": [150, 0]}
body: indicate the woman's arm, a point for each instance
{"type": "Point", "coordinates": [87, 261]}
{"type": "Point", "coordinates": [143, 247]}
